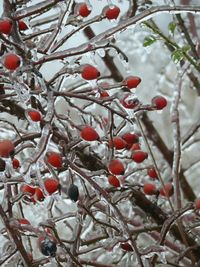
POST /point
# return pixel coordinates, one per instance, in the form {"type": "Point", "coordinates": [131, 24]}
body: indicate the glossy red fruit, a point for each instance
{"type": "Point", "coordinates": [51, 185]}
{"type": "Point", "coordinates": [5, 26]}
{"type": "Point", "coordinates": [167, 191]}
{"type": "Point", "coordinates": [132, 81]}
{"type": "Point", "coordinates": [150, 189]}
{"type": "Point", "coordinates": [113, 181]}
{"type": "Point", "coordinates": [34, 115]}
{"type": "Point", "coordinates": [152, 173]}
{"type": "Point", "coordinates": [197, 203]}
{"type": "Point", "coordinates": [159, 102]}
{"type": "Point", "coordinates": [22, 25]}
{"type": "Point", "coordinates": [89, 134]}
{"type": "Point", "coordinates": [104, 94]}
{"type": "Point", "coordinates": [83, 10]}
{"type": "Point", "coordinates": [54, 159]}
{"type": "Point", "coordinates": [112, 12]}
{"type": "Point", "coordinates": [24, 221]}
{"type": "Point", "coordinates": [116, 167]}
{"type": "Point", "coordinates": [11, 61]}
{"type": "Point", "coordinates": [6, 148]}
{"type": "Point", "coordinates": [139, 156]}
{"type": "Point", "coordinates": [89, 72]}
{"type": "Point", "coordinates": [118, 143]}
{"type": "Point", "coordinates": [126, 246]}
{"type": "Point", "coordinates": [39, 194]}
{"type": "Point", "coordinates": [15, 163]}
{"type": "Point", "coordinates": [130, 138]}
{"type": "Point", "coordinates": [129, 103]}
{"type": "Point", "coordinates": [27, 189]}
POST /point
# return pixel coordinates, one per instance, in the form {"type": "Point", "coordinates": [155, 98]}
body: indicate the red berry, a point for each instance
{"type": "Point", "coordinates": [11, 61]}
{"type": "Point", "coordinates": [132, 81]}
{"type": "Point", "coordinates": [129, 103]}
{"type": "Point", "coordinates": [150, 189]}
{"type": "Point", "coordinates": [6, 148]}
{"type": "Point", "coordinates": [15, 163]}
{"type": "Point", "coordinates": [130, 138]}
{"type": "Point", "coordinates": [152, 173]}
{"type": "Point", "coordinates": [136, 146]}
{"type": "Point", "coordinates": [39, 194]}
{"type": "Point", "coordinates": [25, 188]}
{"type": "Point", "coordinates": [104, 94]}
{"type": "Point", "coordinates": [34, 115]}
{"type": "Point", "coordinates": [139, 156]}
{"type": "Point", "coordinates": [89, 134]}
{"type": "Point", "coordinates": [22, 25]}
{"type": "Point", "coordinates": [126, 246]}
{"type": "Point", "coordinates": [51, 185]}
{"type": "Point", "coordinates": [197, 203]}
{"type": "Point", "coordinates": [89, 72]}
{"type": "Point", "coordinates": [159, 102]}
{"type": "Point", "coordinates": [5, 26]}
{"type": "Point", "coordinates": [118, 143]}
{"type": "Point", "coordinates": [169, 190]}
{"type": "Point", "coordinates": [116, 167]}
{"type": "Point", "coordinates": [112, 12]}
{"type": "Point", "coordinates": [83, 10]}
{"type": "Point", "coordinates": [54, 159]}
{"type": "Point", "coordinates": [113, 181]}
{"type": "Point", "coordinates": [23, 221]}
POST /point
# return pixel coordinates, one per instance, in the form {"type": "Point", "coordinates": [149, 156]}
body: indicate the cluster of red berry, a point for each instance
{"type": "Point", "coordinates": [51, 185]}
{"type": "Point", "coordinates": [124, 146]}
{"type": "Point", "coordinates": [11, 61]}
{"type": "Point", "coordinates": [109, 12]}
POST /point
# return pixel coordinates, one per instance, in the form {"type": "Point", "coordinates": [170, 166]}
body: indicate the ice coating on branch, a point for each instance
{"type": "Point", "coordinates": [41, 149]}
{"type": "Point", "coordinates": [37, 167]}
{"type": "Point", "coordinates": [124, 63]}
{"type": "Point", "coordinates": [23, 91]}
{"type": "Point", "coordinates": [50, 106]}
{"type": "Point", "coordinates": [42, 84]}
{"type": "Point", "coordinates": [101, 52]}
{"type": "Point", "coordinates": [27, 173]}
{"type": "Point", "coordinates": [44, 141]}
{"type": "Point", "coordinates": [110, 242]}
{"type": "Point", "coordinates": [61, 6]}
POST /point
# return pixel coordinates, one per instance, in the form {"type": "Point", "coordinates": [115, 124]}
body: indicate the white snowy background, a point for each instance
{"type": "Point", "coordinates": [159, 77]}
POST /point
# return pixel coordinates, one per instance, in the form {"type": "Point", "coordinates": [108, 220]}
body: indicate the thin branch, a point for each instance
{"type": "Point", "coordinates": [105, 36]}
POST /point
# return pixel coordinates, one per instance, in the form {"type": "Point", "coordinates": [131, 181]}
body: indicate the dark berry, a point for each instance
{"type": "Point", "coordinates": [73, 192]}
{"type": "Point", "coordinates": [48, 247]}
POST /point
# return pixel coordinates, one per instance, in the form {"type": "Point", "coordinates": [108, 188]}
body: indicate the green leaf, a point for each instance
{"type": "Point", "coordinates": [172, 27]}
{"type": "Point", "coordinates": [186, 48]}
{"type": "Point", "coordinates": [149, 40]}
{"type": "Point", "coordinates": [177, 55]}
